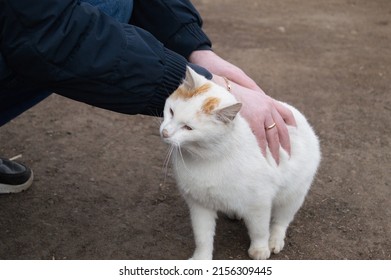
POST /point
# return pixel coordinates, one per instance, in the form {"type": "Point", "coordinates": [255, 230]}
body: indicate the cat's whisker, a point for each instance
{"type": "Point", "coordinates": [181, 155]}
{"type": "Point", "coordinates": [157, 117]}
{"type": "Point", "coordinates": [156, 114]}
{"type": "Point", "coordinates": [157, 120]}
{"type": "Point", "coordinates": [166, 159]}
{"type": "Point", "coordinates": [167, 162]}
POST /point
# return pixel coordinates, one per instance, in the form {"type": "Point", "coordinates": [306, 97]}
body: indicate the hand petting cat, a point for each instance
{"type": "Point", "coordinates": [267, 118]}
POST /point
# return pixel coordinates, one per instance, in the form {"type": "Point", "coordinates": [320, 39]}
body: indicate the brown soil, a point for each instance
{"type": "Point", "coordinates": [100, 191]}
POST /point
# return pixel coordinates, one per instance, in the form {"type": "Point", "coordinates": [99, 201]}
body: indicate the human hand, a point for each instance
{"type": "Point", "coordinates": [267, 118]}
{"type": "Point", "coordinates": [218, 66]}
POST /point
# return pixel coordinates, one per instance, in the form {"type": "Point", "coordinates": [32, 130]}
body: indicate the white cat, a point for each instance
{"type": "Point", "coordinates": [219, 167]}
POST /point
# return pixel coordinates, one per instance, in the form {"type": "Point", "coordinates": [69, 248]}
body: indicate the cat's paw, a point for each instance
{"type": "Point", "coordinates": [259, 253]}
{"type": "Point", "coordinates": [276, 244]}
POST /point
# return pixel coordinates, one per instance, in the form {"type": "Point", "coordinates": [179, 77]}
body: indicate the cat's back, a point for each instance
{"type": "Point", "coordinates": [294, 171]}
{"type": "Point", "coordinates": [304, 141]}
{"type": "Point", "coordinates": [300, 164]}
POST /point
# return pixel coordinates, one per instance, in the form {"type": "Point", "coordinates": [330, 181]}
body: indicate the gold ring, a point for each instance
{"type": "Point", "coordinates": [271, 126]}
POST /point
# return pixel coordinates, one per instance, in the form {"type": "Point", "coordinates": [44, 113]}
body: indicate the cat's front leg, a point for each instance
{"type": "Point", "coordinates": [203, 222]}
{"type": "Point", "coordinates": [257, 222]}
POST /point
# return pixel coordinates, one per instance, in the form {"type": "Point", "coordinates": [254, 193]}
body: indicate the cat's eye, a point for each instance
{"type": "Point", "coordinates": [187, 127]}
{"type": "Point", "coordinates": [171, 112]}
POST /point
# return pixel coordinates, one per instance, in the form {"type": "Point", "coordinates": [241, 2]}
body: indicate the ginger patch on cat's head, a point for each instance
{"type": "Point", "coordinates": [210, 104]}
{"type": "Point", "coordinates": [185, 93]}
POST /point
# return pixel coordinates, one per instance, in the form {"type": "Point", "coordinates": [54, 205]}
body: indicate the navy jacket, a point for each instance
{"type": "Point", "coordinates": [73, 49]}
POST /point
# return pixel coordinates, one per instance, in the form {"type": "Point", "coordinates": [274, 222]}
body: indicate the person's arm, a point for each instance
{"type": "Point", "coordinates": [76, 51]}
{"type": "Point", "coordinates": [176, 23]}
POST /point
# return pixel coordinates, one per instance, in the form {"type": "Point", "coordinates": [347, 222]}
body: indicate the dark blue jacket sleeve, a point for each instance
{"type": "Point", "coordinates": [73, 49]}
{"type": "Point", "coordinates": [176, 23]}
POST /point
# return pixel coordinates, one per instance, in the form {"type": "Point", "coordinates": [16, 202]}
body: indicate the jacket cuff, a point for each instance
{"type": "Point", "coordinates": [175, 71]}
{"type": "Point", "coordinates": [200, 70]}
{"type": "Point", "coordinates": [188, 39]}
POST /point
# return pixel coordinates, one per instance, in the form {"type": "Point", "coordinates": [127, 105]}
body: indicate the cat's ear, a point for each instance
{"type": "Point", "coordinates": [193, 79]}
{"type": "Point", "coordinates": [228, 114]}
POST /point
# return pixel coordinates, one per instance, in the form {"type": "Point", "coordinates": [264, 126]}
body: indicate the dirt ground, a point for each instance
{"type": "Point", "coordinates": [100, 190]}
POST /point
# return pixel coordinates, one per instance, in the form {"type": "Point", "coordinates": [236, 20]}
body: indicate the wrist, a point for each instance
{"type": "Point", "coordinates": [198, 56]}
{"type": "Point", "coordinates": [230, 86]}
{"type": "Point", "coordinates": [219, 80]}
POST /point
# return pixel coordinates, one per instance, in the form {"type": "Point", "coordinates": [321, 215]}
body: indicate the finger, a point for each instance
{"type": "Point", "coordinates": [272, 138]}
{"type": "Point", "coordinates": [260, 134]}
{"type": "Point", "coordinates": [283, 133]}
{"type": "Point", "coordinates": [285, 113]}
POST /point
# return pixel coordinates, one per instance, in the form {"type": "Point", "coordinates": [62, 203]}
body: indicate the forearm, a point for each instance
{"type": "Point", "coordinates": [176, 23]}
{"type": "Point", "coordinates": [81, 53]}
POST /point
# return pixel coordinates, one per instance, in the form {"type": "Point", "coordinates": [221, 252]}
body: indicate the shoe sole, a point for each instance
{"type": "Point", "coordinates": [17, 188]}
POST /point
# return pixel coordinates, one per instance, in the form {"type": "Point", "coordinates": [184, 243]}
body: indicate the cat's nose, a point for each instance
{"type": "Point", "coordinates": [165, 133]}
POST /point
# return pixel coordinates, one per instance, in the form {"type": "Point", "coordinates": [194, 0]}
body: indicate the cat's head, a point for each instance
{"type": "Point", "coordinates": [199, 114]}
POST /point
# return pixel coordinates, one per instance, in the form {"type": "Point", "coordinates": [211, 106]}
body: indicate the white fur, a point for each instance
{"type": "Point", "coordinates": [219, 167]}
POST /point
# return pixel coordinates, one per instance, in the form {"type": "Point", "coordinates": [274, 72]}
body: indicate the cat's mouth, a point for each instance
{"type": "Point", "coordinates": [170, 141]}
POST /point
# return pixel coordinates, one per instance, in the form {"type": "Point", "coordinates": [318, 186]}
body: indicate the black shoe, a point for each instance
{"type": "Point", "coordinates": [14, 177]}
